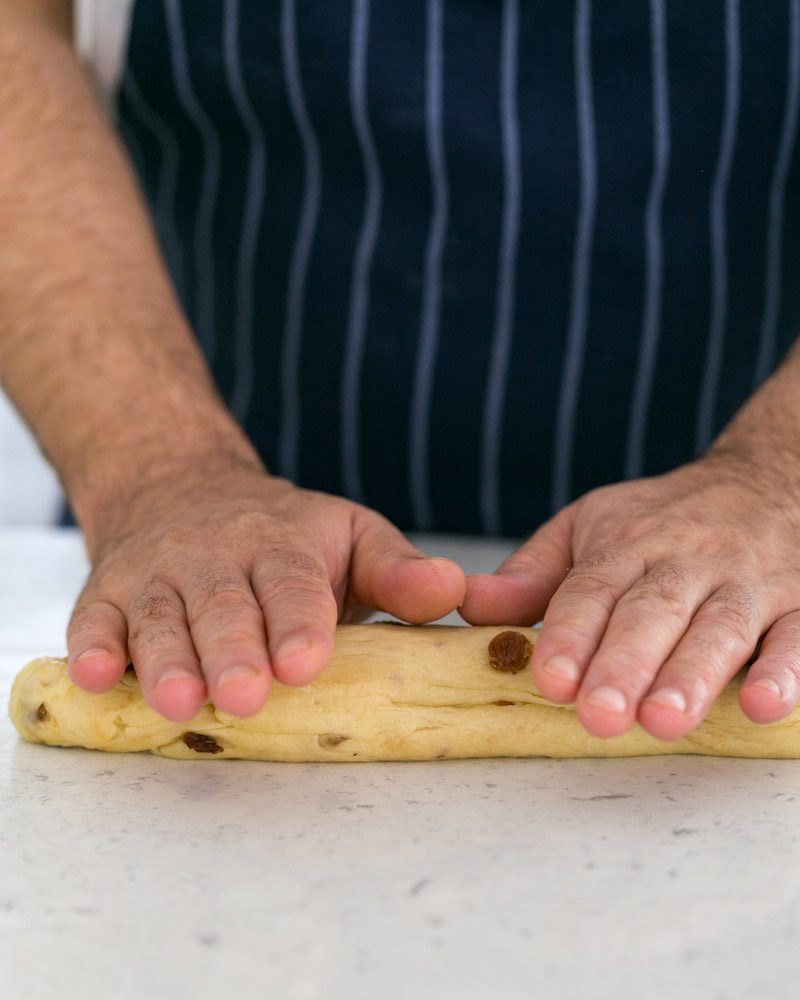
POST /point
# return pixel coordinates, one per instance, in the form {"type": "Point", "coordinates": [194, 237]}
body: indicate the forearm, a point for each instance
{"type": "Point", "coordinates": [94, 350]}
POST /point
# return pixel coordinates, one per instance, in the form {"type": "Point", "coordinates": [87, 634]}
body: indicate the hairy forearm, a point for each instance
{"type": "Point", "coordinates": [764, 436]}
{"type": "Point", "coordinates": [94, 350]}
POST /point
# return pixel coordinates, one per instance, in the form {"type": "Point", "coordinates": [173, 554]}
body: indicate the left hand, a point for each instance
{"type": "Point", "coordinates": [657, 592]}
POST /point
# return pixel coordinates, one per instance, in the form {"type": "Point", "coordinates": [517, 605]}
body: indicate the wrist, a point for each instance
{"type": "Point", "coordinates": [762, 441]}
{"type": "Point", "coordinates": [135, 468]}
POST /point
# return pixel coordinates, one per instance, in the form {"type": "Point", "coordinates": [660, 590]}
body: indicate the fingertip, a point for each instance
{"type": "Point", "coordinates": [763, 702]}
{"type": "Point", "coordinates": [507, 598]}
{"type": "Point", "coordinates": [446, 580]}
{"type": "Point", "coordinates": [600, 720]}
{"type": "Point", "coordinates": [178, 697]}
{"type": "Point", "coordinates": [480, 604]}
{"type": "Point", "coordinates": [664, 722]}
{"type": "Point", "coordinates": [301, 656]}
{"type": "Point", "coordinates": [96, 670]}
{"type": "Point", "coordinates": [420, 589]}
{"type": "Point", "coordinates": [241, 690]}
{"type": "Point", "coordinates": [438, 570]}
{"type": "Point", "coordinates": [557, 678]}
{"type": "Point", "coordinates": [447, 567]}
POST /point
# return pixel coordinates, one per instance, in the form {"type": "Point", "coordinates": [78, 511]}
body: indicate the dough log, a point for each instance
{"type": "Point", "coordinates": [391, 692]}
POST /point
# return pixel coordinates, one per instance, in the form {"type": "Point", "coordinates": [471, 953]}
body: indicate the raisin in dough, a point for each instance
{"type": "Point", "coordinates": [390, 693]}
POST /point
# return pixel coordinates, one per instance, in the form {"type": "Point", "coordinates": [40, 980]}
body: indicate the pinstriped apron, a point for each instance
{"type": "Point", "coordinates": [463, 260]}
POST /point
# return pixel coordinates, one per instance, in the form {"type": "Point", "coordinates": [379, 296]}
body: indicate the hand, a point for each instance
{"type": "Point", "coordinates": [656, 593]}
{"type": "Point", "coordinates": [214, 582]}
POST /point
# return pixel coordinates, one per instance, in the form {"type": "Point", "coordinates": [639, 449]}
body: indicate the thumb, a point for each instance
{"type": "Point", "coordinates": [391, 574]}
{"type": "Point", "coordinates": [519, 590]}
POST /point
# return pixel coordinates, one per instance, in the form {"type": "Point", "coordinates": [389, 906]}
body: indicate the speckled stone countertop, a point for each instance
{"type": "Point", "coordinates": [133, 876]}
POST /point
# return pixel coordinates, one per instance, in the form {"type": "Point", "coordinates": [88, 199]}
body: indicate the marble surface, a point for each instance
{"type": "Point", "coordinates": [132, 876]}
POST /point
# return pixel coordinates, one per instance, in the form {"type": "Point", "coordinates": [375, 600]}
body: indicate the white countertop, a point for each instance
{"type": "Point", "coordinates": [133, 876]}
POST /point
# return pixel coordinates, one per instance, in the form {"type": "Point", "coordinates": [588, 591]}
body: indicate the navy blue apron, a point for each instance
{"type": "Point", "coordinates": [463, 261]}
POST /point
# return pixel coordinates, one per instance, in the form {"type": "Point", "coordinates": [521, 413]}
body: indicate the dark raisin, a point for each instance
{"type": "Point", "coordinates": [330, 740]}
{"type": "Point", "coordinates": [510, 652]}
{"type": "Point", "coordinates": [202, 743]}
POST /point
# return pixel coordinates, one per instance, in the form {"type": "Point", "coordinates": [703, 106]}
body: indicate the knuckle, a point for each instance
{"type": "Point", "coordinates": [648, 600]}
{"type": "Point", "coordinates": [152, 607]}
{"type": "Point", "coordinates": [289, 560]}
{"type": "Point", "coordinates": [587, 583]}
{"type": "Point", "coordinates": [704, 644]}
{"type": "Point", "coordinates": [716, 650]}
{"type": "Point", "coordinates": [231, 640]}
{"type": "Point", "coordinates": [215, 594]}
{"type": "Point", "coordinates": [153, 634]}
{"type": "Point", "coordinates": [572, 635]}
{"type": "Point", "coordinates": [249, 532]}
{"type": "Point", "coordinates": [290, 570]}
{"type": "Point", "coordinates": [672, 577]}
{"type": "Point", "coordinates": [155, 605]}
{"type": "Point", "coordinates": [301, 591]}
{"type": "Point", "coordinates": [735, 610]}
{"type": "Point", "coordinates": [667, 587]}
{"type": "Point", "coordinates": [595, 560]}
{"type": "Point", "coordinates": [155, 617]}
{"type": "Point", "coordinates": [211, 582]}
{"type": "Point", "coordinates": [225, 606]}
{"type": "Point", "coordinates": [789, 640]}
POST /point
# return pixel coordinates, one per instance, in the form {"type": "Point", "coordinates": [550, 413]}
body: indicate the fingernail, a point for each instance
{"type": "Point", "coordinates": [90, 654]}
{"type": "Point", "coordinates": [563, 668]}
{"type": "Point", "coordinates": [669, 696]}
{"type": "Point", "coordinates": [172, 675]}
{"type": "Point", "coordinates": [86, 657]}
{"type": "Point", "coordinates": [235, 674]}
{"type": "Point", "coordinates": [772, 686]}
{"type": "Point", "coordinates": [297, 644]}
{"type": "Point", "coordinates": [609, 698]}
{"type": "Point", "coordinates": [441, 560]}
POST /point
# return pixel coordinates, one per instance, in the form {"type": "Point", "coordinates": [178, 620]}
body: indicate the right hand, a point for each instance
{"type": "Point", "coordinates": [213, 582]}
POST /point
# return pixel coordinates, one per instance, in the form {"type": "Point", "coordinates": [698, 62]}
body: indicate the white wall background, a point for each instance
{"type": "Point", "coordinates": [29, 492]}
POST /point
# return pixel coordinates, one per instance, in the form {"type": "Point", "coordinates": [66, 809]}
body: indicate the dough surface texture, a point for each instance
{"type": "Point", "coordinates": [390, 692]}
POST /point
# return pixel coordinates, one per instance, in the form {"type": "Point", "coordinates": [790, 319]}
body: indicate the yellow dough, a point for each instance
{"type": "Point", "coordinates": [391, 692]}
